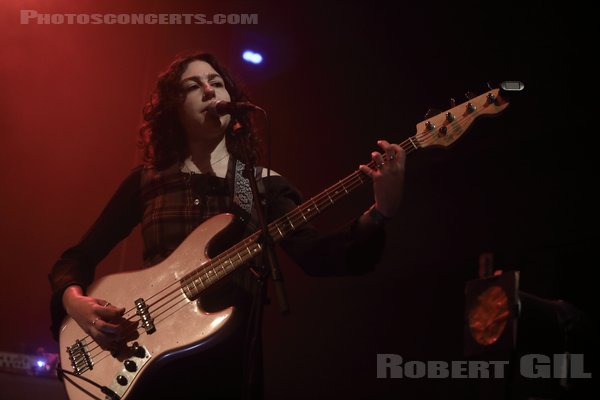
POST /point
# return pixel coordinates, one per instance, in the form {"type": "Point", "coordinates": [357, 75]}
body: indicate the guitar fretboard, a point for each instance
{"type": "Point", "coordinates": [225, 263]}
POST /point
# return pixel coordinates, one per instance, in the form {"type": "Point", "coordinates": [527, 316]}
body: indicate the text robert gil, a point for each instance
{"type": "Point", "coordinates": [564, 365]}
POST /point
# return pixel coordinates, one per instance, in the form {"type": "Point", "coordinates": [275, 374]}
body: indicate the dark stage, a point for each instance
{"type": "Point", "coordinates": [335, 79]}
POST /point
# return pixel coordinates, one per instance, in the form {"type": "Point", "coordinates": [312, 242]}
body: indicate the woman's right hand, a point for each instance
{"type": "Point", "coordinates": [97, 317]}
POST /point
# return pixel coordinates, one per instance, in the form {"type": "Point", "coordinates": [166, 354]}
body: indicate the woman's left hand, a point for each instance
{"type": "Point", "coordinates": [388, 177]}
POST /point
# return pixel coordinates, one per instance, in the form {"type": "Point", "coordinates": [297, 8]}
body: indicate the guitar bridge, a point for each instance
{"type": "Point", "coordinates": [80, 358]}
{"type": "Point", "coordinates": [144, 313]}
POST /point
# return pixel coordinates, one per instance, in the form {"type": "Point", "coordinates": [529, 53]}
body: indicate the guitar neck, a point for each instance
{"type": "Point", "coordinates": [222, 265]}
{"type": "Point", "coordinates": [440, 130]}
{"type": "Point", "coordinates": [305, 212]}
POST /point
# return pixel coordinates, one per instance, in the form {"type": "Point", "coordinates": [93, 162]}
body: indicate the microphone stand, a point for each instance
{"type": "Point", "coordinates": [269, 265]}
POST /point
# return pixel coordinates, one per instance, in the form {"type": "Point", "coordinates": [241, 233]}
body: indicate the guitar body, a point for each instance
{"type": "Point", "coordinates": [181, 326]}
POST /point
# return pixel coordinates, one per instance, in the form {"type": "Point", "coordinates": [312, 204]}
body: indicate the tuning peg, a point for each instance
{"type": "Point", "coordinates": [452, 102]}
{"type": "Point", "coordinates": [469, 95]}
{"type": "Point", "coordinates": [432, 112]}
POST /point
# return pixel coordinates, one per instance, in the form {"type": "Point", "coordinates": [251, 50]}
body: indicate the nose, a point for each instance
{"type": "Point", "coordinates": [209, 92]}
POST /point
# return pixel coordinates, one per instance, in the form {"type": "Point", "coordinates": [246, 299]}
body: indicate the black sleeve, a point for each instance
{"type": "Point", "coordinates": [342, 252]}
{"type": "Point", "coordinates": [77, 264]}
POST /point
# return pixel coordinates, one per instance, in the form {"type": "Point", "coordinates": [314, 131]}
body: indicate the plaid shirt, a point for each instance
{"type": "Point", "coordinates": [174, 204]}
{"type": "Point", "coordinates": [170, 204]}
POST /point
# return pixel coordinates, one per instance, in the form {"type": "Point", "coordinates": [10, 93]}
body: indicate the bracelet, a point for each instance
{"type": "Point", "coordinates": [377, 216]}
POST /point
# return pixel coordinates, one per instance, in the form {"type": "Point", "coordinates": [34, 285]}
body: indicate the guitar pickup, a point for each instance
{"type": "Point", "coordinates": [144, 313]}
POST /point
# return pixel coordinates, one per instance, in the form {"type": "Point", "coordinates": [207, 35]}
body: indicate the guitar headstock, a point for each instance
{"type": "Point", "coordinates": [446, 127]}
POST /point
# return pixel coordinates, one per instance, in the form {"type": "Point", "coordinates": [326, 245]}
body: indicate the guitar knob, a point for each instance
{"type": "Point", "coordinates": [130, 366]}
{"type": "Point", "coordinates": [138, 350]}
{"type": "Point", "coordinates": [121, 380]}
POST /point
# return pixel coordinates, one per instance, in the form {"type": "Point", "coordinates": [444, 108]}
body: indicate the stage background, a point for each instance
{"type": "Point", "coordinates": [335, 79]}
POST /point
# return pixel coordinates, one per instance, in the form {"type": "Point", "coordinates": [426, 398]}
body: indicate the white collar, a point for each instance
{"type": "Point", "coordinates": [220, 155]}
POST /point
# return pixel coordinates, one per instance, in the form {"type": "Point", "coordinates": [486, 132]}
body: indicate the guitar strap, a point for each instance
{"type": "Point", "coordinates": [243, 204]}
{"type": "Point", "coordinates": [243, 201]}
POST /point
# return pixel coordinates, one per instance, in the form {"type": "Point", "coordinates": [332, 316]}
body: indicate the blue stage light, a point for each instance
{"type": "Point", "coordinates": [253, 57]}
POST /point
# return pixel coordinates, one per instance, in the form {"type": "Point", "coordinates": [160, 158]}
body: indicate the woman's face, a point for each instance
{"type": "Point", "coordinates": [202, 85]}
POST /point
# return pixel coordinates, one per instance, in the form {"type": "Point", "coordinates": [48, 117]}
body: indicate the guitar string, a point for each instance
{"type": "Point", "coordinates": [408, 143]}
{"type": "Point", "coordinates": [296, 214]}
{"type": "Point", "coordinates": [169, 298]}
{"type": "Point", "coordinates": [351, 182]}
{"type": "Point", "coordinates": [408, 146]}
{"type": "Point", "coordinates": [424, 138]}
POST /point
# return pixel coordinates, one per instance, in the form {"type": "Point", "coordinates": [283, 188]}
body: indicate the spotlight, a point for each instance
{"type": "Point", "coordinates": [252, 57]}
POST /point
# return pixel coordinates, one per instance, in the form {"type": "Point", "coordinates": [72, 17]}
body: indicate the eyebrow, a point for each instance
{"type": "Point", "coordinates": [197, 78]}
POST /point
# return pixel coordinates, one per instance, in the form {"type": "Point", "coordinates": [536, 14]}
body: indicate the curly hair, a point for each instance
{"type": "Point", "coordinates": [161, 136]}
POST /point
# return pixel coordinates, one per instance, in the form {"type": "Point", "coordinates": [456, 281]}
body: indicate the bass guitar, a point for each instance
{"type": "Point", "coordinates": [167, 321]}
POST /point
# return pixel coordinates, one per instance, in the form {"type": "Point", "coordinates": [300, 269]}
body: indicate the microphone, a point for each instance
{"type": "Point", "coordinates": [222, 107]}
